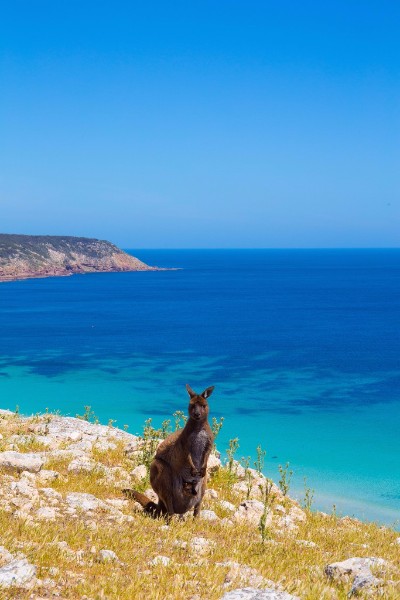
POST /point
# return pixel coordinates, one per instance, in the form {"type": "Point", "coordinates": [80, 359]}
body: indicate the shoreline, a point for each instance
{"type": "Point", "coordinates": [346, 506]}
{"type": "Point", "coordinates": [25, 277]}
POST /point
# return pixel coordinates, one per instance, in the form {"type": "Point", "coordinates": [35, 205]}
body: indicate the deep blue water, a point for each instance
{"type": "Point", "coordinates": [302, 346]}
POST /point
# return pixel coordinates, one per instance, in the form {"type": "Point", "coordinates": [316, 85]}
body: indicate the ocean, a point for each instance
{"type": "Point", "coordinates": [302, 346]}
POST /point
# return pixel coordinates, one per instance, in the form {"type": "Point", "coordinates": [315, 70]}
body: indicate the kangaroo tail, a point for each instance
{"type": "Point", "coordinates": [149, 506]}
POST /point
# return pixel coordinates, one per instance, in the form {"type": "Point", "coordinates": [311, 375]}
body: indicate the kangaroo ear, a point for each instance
{"type": "Point", "coordinates": [191, 393]}
{"type": "Point", "coordinates": [207, 393]}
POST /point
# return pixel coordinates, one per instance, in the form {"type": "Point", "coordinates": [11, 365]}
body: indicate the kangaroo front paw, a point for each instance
{"type": "Point", "coordinates": [194, 472]}
{"type": "Point", "coordinates": [203, 471]}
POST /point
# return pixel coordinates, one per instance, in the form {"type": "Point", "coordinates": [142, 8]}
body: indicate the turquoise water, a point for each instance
{"type": "Point", "coordinates": [302, 347]}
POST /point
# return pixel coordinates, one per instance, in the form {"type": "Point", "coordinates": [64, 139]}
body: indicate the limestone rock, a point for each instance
{"type": "Point", "coordinates": [47, 476]}
{"type": "Point", "coordinates": [139, 472]}
{"type": "Point", "coordinates": [18, 572]}
{"type": "Point", "coordinates": [243, 574]}
{"type": "Point", "coordinates": [213, 464]}
{"type": "Point", "coordinates": [46, 513]}
{"type": "Point", "coordinates": [105, 556]}
{"type": "Point", "coordinates": [5, 555]}
{"type": "Point", "coordinates": [82, 464]}
{"type": "Point", "coordinates": [358, 570]}
{"type": "Point", "coordinates": [252, 511]}
{"type": "Point", "coordinates": [209, 515]}
{"type": "Point", "coordinates": [84, 502]}
{"type": "Point", "coordinates": [210, 493]}
{"type": "Point", "coordinates": [17, 461]}
{"type": "Point", "coordinates": [200, 545]}
{"type": "Point", "coordinates": [255, 594]}
{"type": "Point", "coordinates": [227, 505]}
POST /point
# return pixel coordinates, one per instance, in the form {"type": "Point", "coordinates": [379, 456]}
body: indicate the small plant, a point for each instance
{"type": "Point", "coordinates": [150, 442]}
{"type": "Point", "coordinates": [286, 476]}
{"type": "Point", "coordinates": [232, 449]}
{"type": "Point", "coordinates": [245, 462]}
{"type": "Point", "coordinates": [308, 496]}
{"type": "Point", "coordinates": [216, 427]}
{"type": "Point", "coordinates": [180, 419]}
{"type": "Point", "coordinates": [126, 427]}
{"type": "Point", "coordinates": [111, 422]}
{"type": "Point", "coordinates": [267, 499]}
{"type": "Point", "coordinates": [165, 429]}
{"type": "Point", "coordinates": [88, 415]}
{"type": "Point", "coordinates": [259, 462]}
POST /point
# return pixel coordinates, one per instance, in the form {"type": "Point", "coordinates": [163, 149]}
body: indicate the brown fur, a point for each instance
{"type": "Point", "coordinates": [178, 471]}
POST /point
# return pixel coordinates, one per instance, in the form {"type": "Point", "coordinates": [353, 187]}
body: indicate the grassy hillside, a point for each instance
{"type": "Point", "coordinates": [101, 545]}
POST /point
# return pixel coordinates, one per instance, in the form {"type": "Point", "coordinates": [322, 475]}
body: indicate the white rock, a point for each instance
{"type": "Point", "coordinates": [160, 560]}
{"type": "Point", "coordinates": [213, 464]}
{"type": "Point", "coordinates": [132, 447]}
{"type": "Point", "coordinates": [255, 594]}
{"type": "Point", "coordinates": [87, 503]}
{"type": "Point", "coordinates": [104, 446]}
{"type": "Point", "coordinates": [5, 555]}
{"type": "Point", "coordinates": [200, 545]}
{"type": "Point", "coordinates": [82, 464]}
{"type": "Point", "coordinates": [297, 514]}
{"type": "Point", "coordinates": [50, 493]}
{"type": "Point", "coordinates": [252, 511]}
{"type": "Point", "coordinates": [357, 569]}
{"type": "Point", "coordinates": [47, 476]}
{"type": "Point", "coordinates": [227, 505]}
{"type": "Point", "coordinates": [29, 477]}
{"type": "Point", "coordinates": [286, 522]}
{"type": "Point", "coordinates": [243, 574]}
{"type": "Point", "coordinates": [16, 461]}
{"type": "Point", "coordinates": [209, 515]}
{"type": "Point", "coordinates": [353, 566]}
{"type": "Point", "coordinates": [46, 513]}
{"type": "Point", "coordinates": [107, 556]}
{"type": "Point", "coordinates": [18, 572]}
{"type": "Point", "coordinates": [238, 469]}
{"type": "Point", "coordinates": [84, 502]}
{"type": "Point", "coordinates": [117, 503]}
{"type": "Point", "coordinates": [74, 436]}
{"type": "Point", "coordinates": [23, 488]}
{"type": "Point", "coordinates": [139, 472]}
{"type": "Point", "coordinates": [210, 493]}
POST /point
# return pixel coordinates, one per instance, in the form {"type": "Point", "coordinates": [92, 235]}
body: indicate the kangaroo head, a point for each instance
{"type": "Point", "coordinates": [198, 405]}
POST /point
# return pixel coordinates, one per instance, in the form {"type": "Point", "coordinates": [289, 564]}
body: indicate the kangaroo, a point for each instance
{"type": "Point", "coordinates": [178, 470]}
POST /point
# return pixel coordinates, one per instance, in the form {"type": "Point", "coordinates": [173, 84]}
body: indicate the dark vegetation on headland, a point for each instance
{"type": "Point", "coordinates": [27, 256]}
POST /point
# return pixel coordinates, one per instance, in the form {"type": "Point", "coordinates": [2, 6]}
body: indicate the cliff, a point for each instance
{"type": "Point", "coordinates": [26, 256]}
{"type": "Point", "coordinates": [68, 531]}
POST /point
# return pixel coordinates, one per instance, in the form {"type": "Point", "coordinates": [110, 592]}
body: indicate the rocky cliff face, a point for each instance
{"type": "Point", "coordinates": [26, 256]}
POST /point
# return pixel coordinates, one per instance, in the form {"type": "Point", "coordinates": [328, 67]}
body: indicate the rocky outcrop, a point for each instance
{"type": "Point", "coordinates": [358, 570]}
{"type": "Point", "coordinates": [255, 594]}
{"type": "Point", "coordinates": [28, 256]}
{"type": "Point", "coordinates": [15, 461]}
{"type": "Point", "coordinates": [61, 487]}
{"type": "Point", "coordinates": [16, 570]}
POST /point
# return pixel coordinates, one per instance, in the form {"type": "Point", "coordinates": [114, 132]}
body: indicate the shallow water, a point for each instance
{"type": "Point", "coordinates": [302, 346]}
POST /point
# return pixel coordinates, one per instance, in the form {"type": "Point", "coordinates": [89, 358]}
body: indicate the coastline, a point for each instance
{"type": "Point", "coordinates": [66, 523]}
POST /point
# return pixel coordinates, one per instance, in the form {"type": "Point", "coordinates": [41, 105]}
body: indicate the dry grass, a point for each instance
{"type": "Point", "coordinates": [284, 559]}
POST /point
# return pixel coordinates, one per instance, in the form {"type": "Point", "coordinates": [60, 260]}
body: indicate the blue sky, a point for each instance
{"type": "Point", "coordinates": [223, 123]}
